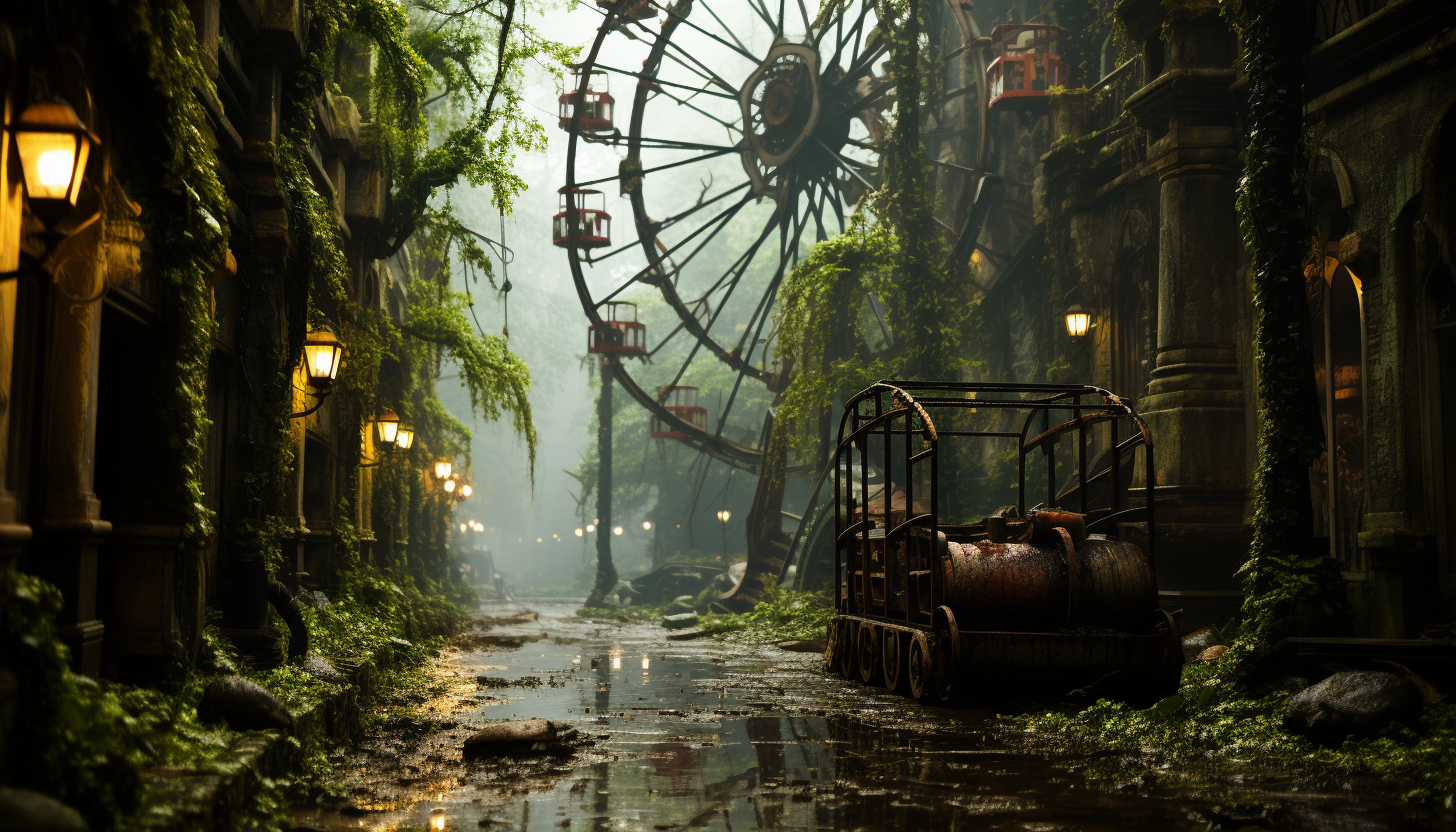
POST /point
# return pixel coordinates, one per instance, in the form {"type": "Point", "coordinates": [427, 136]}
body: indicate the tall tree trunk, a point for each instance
{"type": "Point", "coordinates": [606, 571]}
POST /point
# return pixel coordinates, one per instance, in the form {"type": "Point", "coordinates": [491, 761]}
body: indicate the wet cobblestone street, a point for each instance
{"type": "Point", "coordinates": [718, 736]}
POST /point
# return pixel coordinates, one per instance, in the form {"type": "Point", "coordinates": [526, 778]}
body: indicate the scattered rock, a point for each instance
{"type": "Point", "coordinates": [681, 621]}
{"type": "Point", "coordinates": [243, 705]}
{"type": "Point", "coordinates": [522, 738]}
{"type": "Point", "coordinates": [1197, 641]}
{"type": "Point", "coordinates": [681, 604]}
{"type": "Point", "coordinates": [320, 668]}
{"type": "Point", "coordinates": [1354, 702]}
{"type": "Point", "coordinates": [686, 635]}
{"type": "Point", "coordinates": [22, 810]}
{"type": "Point", "coordinates": [1213, 653]}
{"type": "Point", "coordinates": [316, 599]}
{"type": "Point", "coordinates": [523, 617]}
{"type": "Point", "coordinates": [803, 645]}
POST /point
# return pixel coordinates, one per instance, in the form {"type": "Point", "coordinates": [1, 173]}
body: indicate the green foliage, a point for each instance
{"type": "Point", "coordinates": [780, 615]}
{"type": "Point", "coordinates": [1282, 575]}
{"type": "Point", "coordinates": [189, 237]}
{"type": "Point", "coordinates": [1214, 727]}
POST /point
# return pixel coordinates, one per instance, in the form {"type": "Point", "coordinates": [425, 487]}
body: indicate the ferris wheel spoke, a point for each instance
{"type": "Point", "coordinates": [762, 316]}
{"type": "Point", "coordinates": [675, 218]}
{"type": "Point", "coordinates": [740, 49]}
{"type": "Point", "coordinates": [845, 166]}
{"type": "Point", "coordinates": [760, 8]}
{"type": "Point", "coordinates": [735, 271]}
{"type": "Point", "coordinates": [808, 24]}
{"type": "Point", "coordinates": [831, 188]}
{"type": "Point", "coordinates": [700, 110]}
{"type": "Point", "coordinates": [721, 219]}
{"type": "Point", "coordinates": [700, 69]}
{"type": "Point", "coordinates": [818, 209]}
{"type": "Point", "coordinates": [842, 37]}
{"type": "Point", "coordinates": [652, 80]}
{"type": "Point", "coordinates": [645, 171]}
{"type": "Point", "coordinates": [860, 67]}
{"type": "Point", "coordinates": [875, 97]}
{"type": "Point", "coordinates": [673, 144]}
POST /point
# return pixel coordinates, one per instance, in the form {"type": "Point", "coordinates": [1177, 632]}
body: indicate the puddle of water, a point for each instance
{"type": "Point", "coordinates": [756, 742]}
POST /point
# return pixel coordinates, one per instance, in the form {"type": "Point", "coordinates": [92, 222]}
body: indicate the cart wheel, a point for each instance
{"type": "Point", "coordinates": [892, 655]}
{"type": "Point", "coordinates": [869, 653]}
{"type": "Point", "coordinates": [920, 668]}
{"type": "Point", "coordinates": [848, 630]}
{"type": "Point", "coordinates": [947, 648]}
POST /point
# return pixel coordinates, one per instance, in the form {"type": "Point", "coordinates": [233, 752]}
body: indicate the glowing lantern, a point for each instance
{"type": "Point", "coordinates": [1078, 320]}
{"type": "Point", "coordinates": [321, 354]}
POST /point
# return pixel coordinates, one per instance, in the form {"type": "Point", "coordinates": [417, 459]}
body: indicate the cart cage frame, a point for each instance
{"type": "Point", "coordinates": [900, 416]}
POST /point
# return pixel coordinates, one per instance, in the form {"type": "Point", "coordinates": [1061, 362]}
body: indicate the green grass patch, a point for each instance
{"type": "Point", "coordinates": [781, 614]}
{"type": "Point", "coordinates": [1209, 730]}
{"type": "Point", "coordinates": [621, 615]}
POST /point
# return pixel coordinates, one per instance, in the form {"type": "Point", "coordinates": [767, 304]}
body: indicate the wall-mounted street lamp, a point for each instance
{"type": "Point", "coordinates": [646, 525]}
{"type": "Point", "coordinates": [386, 425]}
{"type": "Point", "coordinates": [466, 490]}
{"type": "Point", "coordinates": [53, 147]}
{"type": "Point", "coordinates": [617, 530]}
{"type": "Point", "coordinates": [578, 532]}
{"type": "Point", "coordinates": [442, 469]}
{"type": "Point", "coordinates": [404, 438]}
{"type": "Point", "coordinates": [1078, 321]}
{"type": "Point", "coordinates": [480, 527]}
{"type": "Point", "coordinates": [322, 354]}
{"type": "Point", "coordinates": [724, 515]}
{"type": "Point", "coordinates": [450, 486]}
{"type": "Point", "coordinates": [591, 527]}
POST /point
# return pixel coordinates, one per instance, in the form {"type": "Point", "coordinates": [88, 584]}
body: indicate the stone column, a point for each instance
{"type": "Point", "coordinates": [1196, 402]}
{"type": "Point", "coordinates": [70, 529]}
{"type": "Point", "coordinates": [13, 532]}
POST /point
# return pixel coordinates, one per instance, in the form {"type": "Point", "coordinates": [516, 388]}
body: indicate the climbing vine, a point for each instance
{"type": "Point", "coordinates": [1283, 572]}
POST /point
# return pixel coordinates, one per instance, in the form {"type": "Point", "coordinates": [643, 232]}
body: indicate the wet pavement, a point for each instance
{"type": "Point", "coordinates": [716, 736]}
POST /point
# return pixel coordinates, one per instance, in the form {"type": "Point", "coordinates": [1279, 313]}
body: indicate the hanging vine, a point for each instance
{"type": "Point", "coordinates": [1283, 572]}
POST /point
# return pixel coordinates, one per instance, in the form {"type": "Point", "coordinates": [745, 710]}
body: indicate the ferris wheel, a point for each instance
{"type": "Point", "coordinates": [754, 130]}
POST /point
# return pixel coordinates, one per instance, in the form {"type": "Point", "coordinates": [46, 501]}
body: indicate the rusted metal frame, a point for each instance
{"type": "Point", "coordinates": [1115, 472]}
{"type": "Point", "coordinates": [864, 467]}
{"type": "Point", "coordinates": [854, 529]}
{"type": "Point", "coordinates": [840, 602]}
{"type": "Point", "coordinates": [1049, 449]}
{"type": "Point", "coordinates": [874, 422]}
{"type": "Point", "coordinates": [910, 461]}
{"type": "Point", "coordinates": [974, 434]}
{"type": "Point", "coordinates": [1077, 422]}
{"type": "Point", "coordinates": [1081, 461]}
{"type": "Point", "coordinates": [912, 522]}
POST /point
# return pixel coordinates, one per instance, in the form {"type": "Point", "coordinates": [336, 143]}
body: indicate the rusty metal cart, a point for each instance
{"type": "Point", "coordinates": [1024, 602]}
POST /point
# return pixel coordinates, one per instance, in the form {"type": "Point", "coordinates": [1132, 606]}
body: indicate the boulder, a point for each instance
{"type": "Point", "coordinates": [1197, 641]}
{"type": "Point", "coordinates": [681, 604]}
{"type": "Point", "coordinates": [1352, 703]}
{"type": "Point", "coordinates": [521, 738]}
{"type": "Point", "coordinates": [681, 621]}
{"type": "Point", "coordinates": [22, 810]}
{"type": "Point", "coordinates": [243, 705]}
{"type": "Point", "coordinates": [320, 668]}
{"type": "Point", "coordinates": [316, 599]}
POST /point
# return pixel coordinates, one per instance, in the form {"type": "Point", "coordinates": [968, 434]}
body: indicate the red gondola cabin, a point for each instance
{"type": "Point", "coordinates": [621, 335]}
{"type": "Point", "coordinates": [681, 402]}
{"type": "Point", "coordinates": [1025, 67]}
{"type": "Point", "coordinates": [595, 102]}
{"type": "Point", "coordinates": [592, 226]}
{"type": "Point", "coordinates": [630, 9]}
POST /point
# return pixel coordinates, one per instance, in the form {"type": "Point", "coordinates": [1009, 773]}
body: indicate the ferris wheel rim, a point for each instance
{"type": "Point", "coordinates": [712, 443]}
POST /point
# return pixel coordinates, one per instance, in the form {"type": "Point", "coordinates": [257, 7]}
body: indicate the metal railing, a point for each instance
{"type": "Point", "coordinates": [1328, 18]}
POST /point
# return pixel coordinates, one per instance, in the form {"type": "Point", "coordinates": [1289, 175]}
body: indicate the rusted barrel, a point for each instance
{"type": "Point", "coordinates": [1029, 587]}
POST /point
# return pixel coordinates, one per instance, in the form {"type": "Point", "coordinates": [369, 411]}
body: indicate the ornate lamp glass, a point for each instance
{"type": "Point", "coordinates": [442, 469]}
{"type": "Point", "coordinates": [321, 353]}
{"type": "Point", "coordinates": [1078, 320]}
{"type": "Point", "coordinates": [387, 424]}
{"type": "Point", "coordinates": [404, 438]}
{"type": "Point", "coordinates": [53, 148]}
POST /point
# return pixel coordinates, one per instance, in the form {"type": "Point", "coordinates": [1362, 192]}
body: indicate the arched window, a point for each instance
{"type": "Point", "coordinates": [1337, 477]}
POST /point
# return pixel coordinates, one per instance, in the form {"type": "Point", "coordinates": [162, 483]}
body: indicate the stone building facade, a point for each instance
{"type": "Point", "coordinates": [90, 471]}
{"type": "Point", "coordinates": [1131, 214]}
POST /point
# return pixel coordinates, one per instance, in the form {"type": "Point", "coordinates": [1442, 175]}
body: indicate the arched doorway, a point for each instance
{"type": "Point", "coordinates": [1440, 300]}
